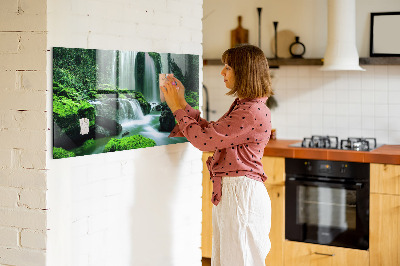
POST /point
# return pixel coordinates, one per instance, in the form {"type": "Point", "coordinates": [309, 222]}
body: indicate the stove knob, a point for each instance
{"type": "Point", "coordinates": [343, 168]}
{"type": "Point", "coordinates": [308, 166]}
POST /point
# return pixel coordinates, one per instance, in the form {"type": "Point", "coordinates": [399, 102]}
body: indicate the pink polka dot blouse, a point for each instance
{"type": "Point", "coordinates": [238, 139]}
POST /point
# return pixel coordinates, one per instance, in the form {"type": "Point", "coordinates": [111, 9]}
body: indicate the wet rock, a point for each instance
{"type": "Point", "coordinates": [167, 121]}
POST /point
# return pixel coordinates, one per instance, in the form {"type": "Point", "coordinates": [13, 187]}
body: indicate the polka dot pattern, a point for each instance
{"type": "Point", "coordinates": [238, 139]}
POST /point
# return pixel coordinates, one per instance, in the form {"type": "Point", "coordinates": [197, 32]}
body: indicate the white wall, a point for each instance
{"type": "Point", "coordinates": [311, 102]}
{"type": "Point", "coordinates": [138, 207]}
{"type": "Point", "coordinates": [23, 133]}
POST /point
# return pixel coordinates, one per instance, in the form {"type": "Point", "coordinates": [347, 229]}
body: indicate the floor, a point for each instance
{"type": "Point", "coordinates": [206, 261]}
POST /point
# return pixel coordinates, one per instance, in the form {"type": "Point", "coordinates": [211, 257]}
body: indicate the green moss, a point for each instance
{"type": "Point", "coordinates": [59, 153]}
{"type": "Point", "coordinates": [192, 98]}
{"type": "Point", "coordinates": [129, 143]}
{"type": "Point", "coordinates": [67, 113]}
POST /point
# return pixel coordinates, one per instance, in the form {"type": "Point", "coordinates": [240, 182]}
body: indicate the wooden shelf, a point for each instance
{"type": "Point", "coordinates": [274, 63]}
{"type": "Point", "coordinates": [380, 61]}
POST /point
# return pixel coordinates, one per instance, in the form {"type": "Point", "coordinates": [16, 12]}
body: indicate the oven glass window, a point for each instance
{"type": "Point", "coordinates": [326, 207]}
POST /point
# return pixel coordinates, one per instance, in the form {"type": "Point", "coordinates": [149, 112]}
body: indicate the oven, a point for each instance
{"type": "Point", "coordinates": [327, 202]}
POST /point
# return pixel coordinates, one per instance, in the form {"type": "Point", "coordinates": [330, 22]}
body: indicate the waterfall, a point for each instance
{"type": "Point", "coordinates": [127, 70]}
{"type": "Point", "coordinates": [107, 67]}
{"type": "Point", "coordinates": [130, 109]}
{"type": "Point", "coordinates": [151, 90]}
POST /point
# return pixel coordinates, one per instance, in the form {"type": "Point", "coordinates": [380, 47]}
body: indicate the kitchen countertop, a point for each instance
{"type": "Point", "coordinates": [389, 154]}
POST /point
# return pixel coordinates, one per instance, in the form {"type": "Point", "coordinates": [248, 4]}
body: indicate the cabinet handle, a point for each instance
{"type": "Point", "coordinates": [325, 254]}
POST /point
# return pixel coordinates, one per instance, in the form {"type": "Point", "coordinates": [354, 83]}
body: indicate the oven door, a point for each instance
{"type": "Point", "coordinates": [327, 213]}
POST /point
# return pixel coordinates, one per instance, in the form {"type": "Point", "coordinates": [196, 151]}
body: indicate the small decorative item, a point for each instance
{"type": "Point", "coordinates": [259, 9]}
{"type": "Point", "coordinates": [273, 134]}
{"type": "Point", "coordinates": [239, 35]}
{"type": "Point", "coordinates": [276, 38]}
{"type": "Point", "coordinates": [297, 49]}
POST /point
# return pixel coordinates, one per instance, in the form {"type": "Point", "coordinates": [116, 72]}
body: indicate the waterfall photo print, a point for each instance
{"type": "Point", "coordinates": [109, 100]}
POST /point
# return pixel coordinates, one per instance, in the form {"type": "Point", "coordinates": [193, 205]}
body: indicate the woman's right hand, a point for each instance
{"type": "Point", "coordinates": [181, 91]}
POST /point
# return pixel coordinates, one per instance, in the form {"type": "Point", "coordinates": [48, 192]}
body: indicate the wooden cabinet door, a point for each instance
{"type": "Point", "coordinates": [384, 236]}
{"type": "Point", "coordinates": [385, 178]}
{"type": "Point", "coordinates": [274, 168]}
{"type": "Point", "coordinates": [305, 254]}
{"type": "Point", "coordinates": [206, 226]}
{"type": "Point", "coordinates": [277, 233]}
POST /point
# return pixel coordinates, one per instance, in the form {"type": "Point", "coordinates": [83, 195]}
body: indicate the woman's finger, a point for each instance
{"type": "Point", "coordinates": [164, 90]}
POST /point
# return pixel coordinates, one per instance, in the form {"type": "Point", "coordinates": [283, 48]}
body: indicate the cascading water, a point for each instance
{"type": "Point", "coordinates": [151, 89]}
{"type": "Point", "coordinates": [127, 70]}
{"type": "Point", "coordinates": [121, 109]}
{"type": "Point", "coordinates": [107, 67]}
{"type": "Point", "coordinates": [130, 109]}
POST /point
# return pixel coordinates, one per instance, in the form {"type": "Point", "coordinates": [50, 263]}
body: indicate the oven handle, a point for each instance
{"type": "Point", "coordinates": [357, 185]}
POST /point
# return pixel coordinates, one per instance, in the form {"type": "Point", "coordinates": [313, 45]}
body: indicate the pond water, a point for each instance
{"type": "Point", "coordinates": [148, 127]}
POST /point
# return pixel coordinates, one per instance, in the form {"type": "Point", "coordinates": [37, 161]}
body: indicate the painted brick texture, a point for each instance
{"type": "Point", "coordinates": [23, 132]}
{"type": "Point", "coordinates": [109, 209]}
{"type": "Point", "coordinates": [139, 207]}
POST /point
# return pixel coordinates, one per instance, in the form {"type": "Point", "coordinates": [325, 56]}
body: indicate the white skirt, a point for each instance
{"type": "Point", "coordinates": [241, 223]}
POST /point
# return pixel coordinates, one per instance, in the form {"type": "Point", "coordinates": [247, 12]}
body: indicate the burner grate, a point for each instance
{"type": "Point", "coordinates": [332, 142]}
{"type": "Point", "coordinates": [358, 144]}
{"type": "Point", "coordinates": [327, 142]}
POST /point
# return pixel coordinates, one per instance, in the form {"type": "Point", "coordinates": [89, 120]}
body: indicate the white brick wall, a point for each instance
{"type": "Point", "coordinates": [101, 206]}
{"type": "Point", "coordinates": [23, 132]}
{"type": "Point", "coordinates": [139, 207]}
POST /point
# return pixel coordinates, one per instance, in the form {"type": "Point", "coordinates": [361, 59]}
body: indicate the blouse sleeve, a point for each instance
{"type": "Point", "coordinates": [231, 130]}
{"type": "Point", "coordinates": [193, 113]}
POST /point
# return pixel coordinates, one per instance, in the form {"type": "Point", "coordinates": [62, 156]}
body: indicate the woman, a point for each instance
{"type": "Point", "coordinates": [242, 208]}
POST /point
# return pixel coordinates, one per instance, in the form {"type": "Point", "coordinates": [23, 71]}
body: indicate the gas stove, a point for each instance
{"type": "Point", "coordinates": [332, 142]}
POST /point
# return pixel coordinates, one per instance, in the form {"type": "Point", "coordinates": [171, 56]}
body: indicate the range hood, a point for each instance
{"type": "Point", "coordinates": [341, 51]}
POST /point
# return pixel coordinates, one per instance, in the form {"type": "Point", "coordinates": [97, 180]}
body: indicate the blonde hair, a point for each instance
{"type": "Point", "coordinates": [250, 66]}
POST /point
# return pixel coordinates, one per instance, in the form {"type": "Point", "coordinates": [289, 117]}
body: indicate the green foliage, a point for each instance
{"type": "Point", "coordinates": [157, 62]}
{"type": "Point", "coordinates": [192, 73]}
{"type": "Point", "coordinates": [192, 98]}
{"type": "Point", "coordinates": [67, 113]}
{"type": "Point", "coordinates": [190, 79]}
{"type": "Point", "coordinates": [76, 68]}
{"type": "Point", "coordinates": [67, 92]}
{"type": "Point", "coordinates": [139, 69]}
{"type": "Point", "coordinates": [128, 143]}
{"type": "Point", "coordinates": [88, 143]}
{"type": "Point", "coordinates": [59, 153]}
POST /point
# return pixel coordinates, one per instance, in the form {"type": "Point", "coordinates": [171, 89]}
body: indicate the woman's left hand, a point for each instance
{"type": "Point", "coordinates": [170, 90]}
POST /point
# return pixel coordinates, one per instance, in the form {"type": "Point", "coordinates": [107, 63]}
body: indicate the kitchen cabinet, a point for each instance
{"type": "Point", "coordinates": [384, 247]}
{"type": "Point", "coordinates": [274, 168]}
{"type": "Point", "coordinates": [385, 214]}
{"type": "Point", "coordinates": [206, 225]}
{"type": "Point", "coordinates": [305, 254]}
{"type": "Point", "coordinates": [385, 178]}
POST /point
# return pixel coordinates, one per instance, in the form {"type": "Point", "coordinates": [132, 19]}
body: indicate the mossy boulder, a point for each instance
{"type": "Point", "coordinates": [59, 153]}
{"type": "Point", "coordinates": [167, 120]}
{"type": "Point", "coordinates": [68, 112]}
{"type": "Point", "coordinates": [129, 143]}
